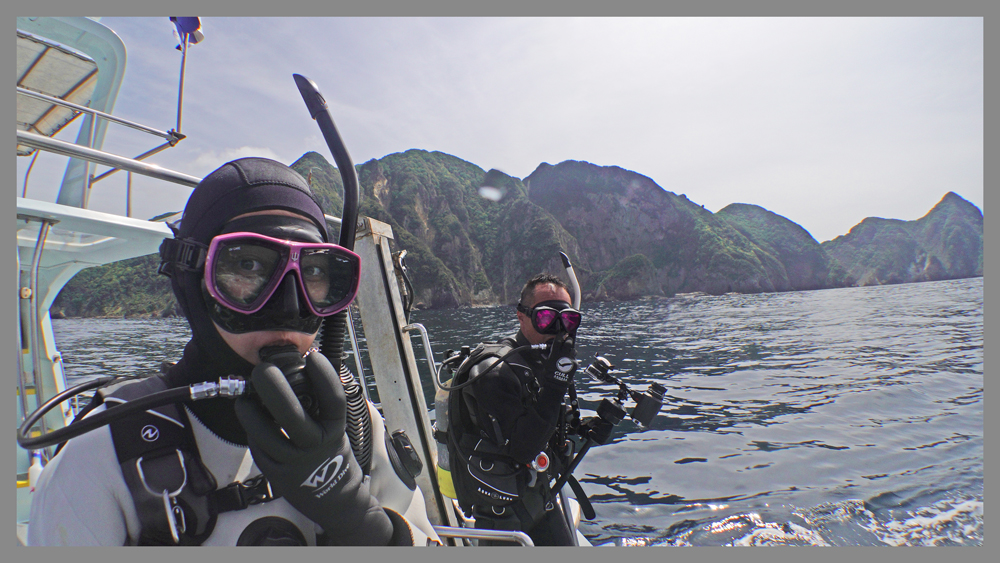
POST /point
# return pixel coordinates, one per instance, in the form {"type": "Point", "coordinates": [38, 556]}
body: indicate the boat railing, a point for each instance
{"type": "Point", "coordinates": [172, 137]}
{"type": "Point", "coordinates": [483, 534]}
{"type": "Point", "coordinates": [425, 338]}
{"type": "Point", "coordinates": [74, 150]}
{"type": "Point", "coordinates": [116, 161]}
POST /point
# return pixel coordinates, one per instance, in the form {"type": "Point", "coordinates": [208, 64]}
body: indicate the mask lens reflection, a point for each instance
{"type": "Point", "coordinates": [553, 320]}
{"type": "Point", "coordinates": [571, 321]}
{"type": "Point", "coordinates": [545, 319]}
{"type": "Point", "coordinates": [242, 271]}
{"type": "Point", "coordinates": [327, 276]}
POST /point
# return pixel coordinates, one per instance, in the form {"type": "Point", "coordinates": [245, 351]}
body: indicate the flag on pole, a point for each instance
{"type": "Point", "coordinates": [190, 27]}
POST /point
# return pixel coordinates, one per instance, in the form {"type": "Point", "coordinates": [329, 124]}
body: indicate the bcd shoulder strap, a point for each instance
{"type": "Point", "coordinates": [461, 409]}
{"type": "Point", "coordinates": [483, 351]}
{"type": "Point", "coordinates": [175, 495]}
{"type": "Point", "coordinates": [159, 458]}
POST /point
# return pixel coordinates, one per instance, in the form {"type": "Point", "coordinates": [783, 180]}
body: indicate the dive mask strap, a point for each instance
{"type": "Point", "coordinates": [185, 254]}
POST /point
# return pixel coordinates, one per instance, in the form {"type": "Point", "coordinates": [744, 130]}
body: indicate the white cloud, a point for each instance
{"type": "Point", "coordinates": [824, 120]}
{"type": "Point", "coordinates": [210, 160]}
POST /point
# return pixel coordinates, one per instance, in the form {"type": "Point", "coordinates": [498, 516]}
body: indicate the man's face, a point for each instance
{"type": "Point", "coordinates": [248, 344]}
{"type": "Point", "coordinates": [543, 292]}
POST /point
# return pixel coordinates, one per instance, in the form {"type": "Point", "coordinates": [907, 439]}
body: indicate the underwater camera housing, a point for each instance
{"type": "Point", "coordinates": [612, 411]}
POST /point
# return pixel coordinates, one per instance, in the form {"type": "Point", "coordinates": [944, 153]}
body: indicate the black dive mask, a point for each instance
{"type": "Point", "coordinates": [553, 317]}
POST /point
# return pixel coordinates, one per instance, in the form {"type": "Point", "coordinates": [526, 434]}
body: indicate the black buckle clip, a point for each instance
{"type": "Point", "coordinates": [256, 490]}
{"type": "Point", "coordinates": [184, 254]}
{"type": "Point", "coordinates": [237, 496]}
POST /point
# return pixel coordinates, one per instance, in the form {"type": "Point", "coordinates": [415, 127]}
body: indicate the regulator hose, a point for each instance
{"type": "Point", "coordinates": [22, 433]}
{"type": "Point", "coordinates": [93, 422]}
{"type": "Point", "coordinates": [359, 423]}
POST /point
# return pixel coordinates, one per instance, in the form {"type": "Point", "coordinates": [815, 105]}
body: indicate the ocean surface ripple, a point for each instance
{"type": "Point", "coordinates": [836, 417]}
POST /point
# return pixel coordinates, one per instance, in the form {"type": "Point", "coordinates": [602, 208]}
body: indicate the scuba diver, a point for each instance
{"type": "Point", "coordinates": [503, 412]}
{"type": "Point", "coordinates": [255, 274]}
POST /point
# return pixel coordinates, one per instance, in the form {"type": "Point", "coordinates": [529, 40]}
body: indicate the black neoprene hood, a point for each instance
{"type": "Point", "coordinates": [238, 187]}
{"type": "Point", "coordinates": [244, 186]}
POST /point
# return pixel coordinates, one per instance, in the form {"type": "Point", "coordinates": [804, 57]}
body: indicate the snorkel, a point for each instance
{"type": "Point", "coordinates": [334, 327]}
{"type": "Point", "coordinates": [574, 283]}
{"type": "Point", "coordinates": [334, 330]}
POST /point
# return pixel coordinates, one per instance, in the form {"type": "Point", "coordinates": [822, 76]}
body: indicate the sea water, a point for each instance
{"type": "Point", "coordinates": [836, 417]}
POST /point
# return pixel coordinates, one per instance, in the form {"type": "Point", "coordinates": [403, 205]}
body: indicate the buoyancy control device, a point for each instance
{"type": "Point", "coordinates": [449, 422]}
{"type": "Point", "coordinates": [175, 495]}
{"type": "Point", "coordinates": [470, 469]}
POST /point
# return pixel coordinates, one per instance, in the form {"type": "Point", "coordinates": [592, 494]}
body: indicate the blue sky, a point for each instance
{"type": "Point", "coordinates": [824, 121]}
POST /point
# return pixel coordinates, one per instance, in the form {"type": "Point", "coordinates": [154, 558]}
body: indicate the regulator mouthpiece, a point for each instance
{"type": "Point", "coordinates": [292, 365]}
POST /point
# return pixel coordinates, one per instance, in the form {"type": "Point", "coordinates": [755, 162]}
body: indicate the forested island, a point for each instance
{"type": "Point", "coordinates": [473, 236]}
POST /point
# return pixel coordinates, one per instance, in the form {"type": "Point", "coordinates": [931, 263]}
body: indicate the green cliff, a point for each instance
{"type": "Point", "coordinates": [804, 263]}
{"type": "Point", "coordinates": [473, 237]}
{"type": "Point", "coordinates": [947, 243]}
{"type": "Point", "coordinates": [129, 288]}
{"type": "Point", "coordinates": [616, 213]}
{"type": "Point", "coordinates": [462, 248]}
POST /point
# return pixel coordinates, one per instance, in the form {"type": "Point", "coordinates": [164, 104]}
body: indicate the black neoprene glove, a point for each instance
{"type": "Point", "coordinates": [558, 366]}
{"type": "Point", "coordinates": [313, 467]}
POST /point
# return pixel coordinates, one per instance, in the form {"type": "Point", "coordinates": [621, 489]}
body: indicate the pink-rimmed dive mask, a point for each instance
{"type": "Point", "coordinates": [243, 270]}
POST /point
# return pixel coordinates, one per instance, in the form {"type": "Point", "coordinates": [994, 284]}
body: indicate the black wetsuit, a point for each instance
{"type": "Point", "coordinates": [511, 425]}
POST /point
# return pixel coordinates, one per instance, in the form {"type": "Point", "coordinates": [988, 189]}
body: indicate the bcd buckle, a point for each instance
{"type": "Point", "coordinates": [256, 490]}
{"type": "Point", "coordinates": [237, 496]}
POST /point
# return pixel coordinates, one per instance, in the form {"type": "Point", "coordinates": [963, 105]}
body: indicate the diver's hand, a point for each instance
{"type": "Point", "coordinates": [313, 467]}
{"type": "Point", "coordinates": [558, 366]}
